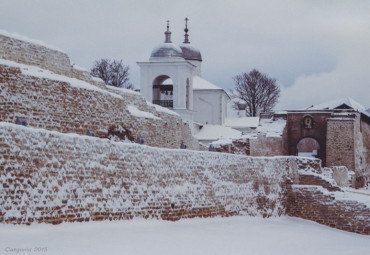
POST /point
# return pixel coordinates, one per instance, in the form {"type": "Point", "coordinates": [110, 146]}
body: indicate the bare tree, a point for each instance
{"type": "Point", "coordinates": [257, 91]}
{"type": "Point", "coordinates": [113, 73]}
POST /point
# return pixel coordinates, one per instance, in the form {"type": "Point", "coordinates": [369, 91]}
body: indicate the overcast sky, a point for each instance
{"type": "Point", "coordinates": [317, 50]}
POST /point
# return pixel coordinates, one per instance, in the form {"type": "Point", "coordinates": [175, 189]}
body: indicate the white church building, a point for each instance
{"type": "Point", "coordinates": [172, 78]}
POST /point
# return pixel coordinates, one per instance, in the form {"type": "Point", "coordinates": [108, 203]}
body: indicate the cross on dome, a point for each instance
{"type": "Point", "coordinates": [168, 33]}
{"type": "Point", "coordinates": [186, 31]}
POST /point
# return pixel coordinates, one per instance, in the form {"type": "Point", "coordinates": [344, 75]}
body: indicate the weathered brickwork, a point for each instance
{"type": "Point", "coordinates": [365, 157]}
{"type": "Point", "coordinates": [340, 143]}
{"type": "Point", "coordinates": [268, 146]}
{"type": "Point", "coordinates": [59, 106]}
{"type": "Point", "coordinates": [317, 204]}
{"type": "Point", "coordinates": [238, 146]}
{"type": "Point", "coordinates": [296, 131]}
{"type": "Point", "coordinates": [53, 177]}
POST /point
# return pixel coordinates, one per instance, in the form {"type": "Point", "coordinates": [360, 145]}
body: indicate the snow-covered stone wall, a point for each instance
{"type": "Point", "coordinates": [36, 53]}
{"type": "Point", "coordinates": [52, 177]}
{"type": "Point", "coordinates": [69, 105]}
{"type": "Point", "coordinates": [38, 83]}
{"type": "Point", "coordinates": [323, 197]}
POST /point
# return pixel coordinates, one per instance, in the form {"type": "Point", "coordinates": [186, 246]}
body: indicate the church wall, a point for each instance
{"type": "Point", "coordinates": [56, 105]}
{"type": "Point", "coordinates": [210, 105]}
{"type": "Point", "coordinates": [52, 177]}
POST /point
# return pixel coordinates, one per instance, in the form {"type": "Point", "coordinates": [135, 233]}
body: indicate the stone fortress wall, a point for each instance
{"type": "Point", "coordinates": [69, 104]}
{"type": "Point", "coordinates": [53, 177]}
{"type": "Point", "coordinates": [51, 172]}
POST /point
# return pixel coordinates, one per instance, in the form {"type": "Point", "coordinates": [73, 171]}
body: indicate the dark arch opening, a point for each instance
{"type": "Point", "coordinates": [163, 91]}
{"type": "Point", "coordinates": [308, 147]}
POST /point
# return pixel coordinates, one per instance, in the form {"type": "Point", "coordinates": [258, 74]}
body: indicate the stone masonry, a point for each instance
{"type": "Point", "coordinates": [53, 177]}
{"type": "Point", "coordinates": [71, 105]}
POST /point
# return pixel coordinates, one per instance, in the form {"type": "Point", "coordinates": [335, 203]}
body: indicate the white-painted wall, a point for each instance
{"type": "Point", "coordinates": [210, 106]}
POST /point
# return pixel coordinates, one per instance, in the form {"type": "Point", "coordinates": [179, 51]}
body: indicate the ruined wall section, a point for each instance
{"type": "Point", "coordinates": [52, 177]}
{"type": "Point", "coordinates": [74, 106]}
{"type": "Point", "coordinates": [313, 202]}
{"type": "Point", "coordinates": [322, 196]}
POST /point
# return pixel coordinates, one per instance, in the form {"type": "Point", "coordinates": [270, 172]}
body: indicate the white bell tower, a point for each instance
{"type": "Point", "coordinates": [167, 78]}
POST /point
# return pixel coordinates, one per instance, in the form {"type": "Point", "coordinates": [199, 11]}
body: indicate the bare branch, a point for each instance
{"type": "Point", "coordinates": [113, 73]}
{"type": "Point", "coordinates": [257, 91]}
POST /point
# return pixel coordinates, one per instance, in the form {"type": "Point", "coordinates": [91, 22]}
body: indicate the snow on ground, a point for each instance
{"type": "Point", "coordinates": [215, 132]}
{"type": "Point", "coordinates": [235, 235]}
{"type": "Point", "coordinates": [272, 128]}
{"type": "Point", "coordinates": [243, 122]}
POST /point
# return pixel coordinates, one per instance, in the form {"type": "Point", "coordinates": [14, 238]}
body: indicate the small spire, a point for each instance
{"type": "Point", "coordinates": [168, 33]}
{"type": "Point", "coordinates": [186, 31]}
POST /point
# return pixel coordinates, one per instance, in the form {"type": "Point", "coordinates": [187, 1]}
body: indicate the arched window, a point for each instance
{"type": "Point", "coordinates": [163, 91]}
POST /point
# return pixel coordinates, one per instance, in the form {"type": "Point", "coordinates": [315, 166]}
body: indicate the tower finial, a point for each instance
{"type": "Point", "coordinates": [186, 31]}
{"type": "Point", "coordinates": [168, 33]}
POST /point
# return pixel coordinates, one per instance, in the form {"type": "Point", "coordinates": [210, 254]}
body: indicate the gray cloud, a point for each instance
{"type": "Point", "coordinates": [318, 50]}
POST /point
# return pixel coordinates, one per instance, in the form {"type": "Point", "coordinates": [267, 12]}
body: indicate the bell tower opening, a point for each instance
{"type": "Point", "coordinates": [163, 91]}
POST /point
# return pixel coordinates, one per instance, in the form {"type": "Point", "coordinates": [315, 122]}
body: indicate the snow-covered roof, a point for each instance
{"type": "Point", "coordinates": [272, 128]}
{"type": "Point", "coordinates": [339, 102]}
{"type": "Point", "coordinates": [201, 84]}
{"type": "Point", "coordinates": [215, 132]}
{"type": "Point", "coordinates": [29, 40]}
{"type": "Point", "coordinates": [251, 122]}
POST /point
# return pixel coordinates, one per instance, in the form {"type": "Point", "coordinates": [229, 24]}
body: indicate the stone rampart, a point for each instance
{"type": "Point", "coordinates": [66, 105]}
{"type": "Point", "coordinates": [52, 177]}
{"type": "Point", "coordinates": [35, 54]}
